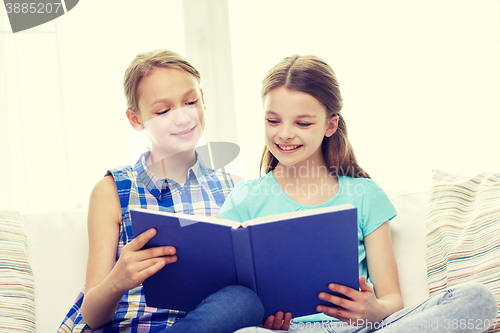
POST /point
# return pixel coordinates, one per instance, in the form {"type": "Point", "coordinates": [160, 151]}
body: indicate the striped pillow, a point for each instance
{"type": "Point", "coordinates": [17, 301]}
{"type": "Point", "coordinates": [463, 232]}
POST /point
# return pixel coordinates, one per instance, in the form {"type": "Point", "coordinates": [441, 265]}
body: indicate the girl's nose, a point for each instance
{"type": "Point", "coordinates": [181, 117]}
{"type": "Point", "coordinates": [285, 134]}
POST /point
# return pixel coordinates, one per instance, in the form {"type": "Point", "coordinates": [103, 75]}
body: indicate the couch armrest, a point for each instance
{"type": "Point", "coordinates": [58, 250]}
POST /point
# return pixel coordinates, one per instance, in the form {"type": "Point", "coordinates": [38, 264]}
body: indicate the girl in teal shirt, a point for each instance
{"type": "Point", "coordinates": [309, 163]}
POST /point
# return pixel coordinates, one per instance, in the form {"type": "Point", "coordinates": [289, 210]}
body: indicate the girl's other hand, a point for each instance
{"type": "Point", "coordinates": [278, 322]}
{"type": "Point", "coordinates": [136, 265]}
{"type": "Point", "coordinates": [362, 308]}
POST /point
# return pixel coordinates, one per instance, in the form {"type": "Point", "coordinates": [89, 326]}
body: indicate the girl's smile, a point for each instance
{"type": "Point", "coordinates": [186, 134]}
{"type": "Point", "coordinates": [288, 149]}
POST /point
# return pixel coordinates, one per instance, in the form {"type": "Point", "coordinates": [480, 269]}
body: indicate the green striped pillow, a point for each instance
{"type": "Point", "coordinates": [17, 300]}
{"type": "Point", "coordinates": [463, 232]}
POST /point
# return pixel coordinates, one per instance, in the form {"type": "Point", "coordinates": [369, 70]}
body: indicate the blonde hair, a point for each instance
{"type": "Point", "coordinates": [144, 64]}
{"type": "Point", "coordinates": [312, 75]}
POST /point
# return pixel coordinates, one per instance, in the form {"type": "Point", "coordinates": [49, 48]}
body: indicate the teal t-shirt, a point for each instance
{"type": "Point", "coordinates": [263, 196]}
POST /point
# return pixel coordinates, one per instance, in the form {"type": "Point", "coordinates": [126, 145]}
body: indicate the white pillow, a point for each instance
{"type": "Point", "coordinates": [408, 241]}
{"type": "Point", "coordinates": [17, 300]}
{"type": "Point", "coordinates": [463, 231]}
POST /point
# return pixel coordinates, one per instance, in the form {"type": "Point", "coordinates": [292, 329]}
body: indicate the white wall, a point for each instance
{"type": "Point", "coordinates": [420, 79]}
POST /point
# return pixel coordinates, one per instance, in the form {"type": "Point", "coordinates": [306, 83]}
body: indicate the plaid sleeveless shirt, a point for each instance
{"type": "Point", "coordinates": [203, 193]}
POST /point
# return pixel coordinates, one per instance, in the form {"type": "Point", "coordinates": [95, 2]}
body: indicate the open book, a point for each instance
{"type": "Point", "coordinates": [287, 259]}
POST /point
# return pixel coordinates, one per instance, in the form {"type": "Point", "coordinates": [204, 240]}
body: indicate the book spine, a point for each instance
{"type": "Point", "coordinates": [243, 257]}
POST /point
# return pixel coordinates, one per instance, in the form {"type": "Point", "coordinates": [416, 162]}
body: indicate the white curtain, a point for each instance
{"type": "Point", "coordinates": [34, 138]}
{"type": "Point", "coordinates": [62, 102]}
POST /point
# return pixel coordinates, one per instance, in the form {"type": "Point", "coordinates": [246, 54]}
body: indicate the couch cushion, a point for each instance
{"type": "Point", "coordinates": [17, 298]}
{"type": "Point", "coordinates": [463, 231]}
{"type": "Point", "coordinates": [408, 240]}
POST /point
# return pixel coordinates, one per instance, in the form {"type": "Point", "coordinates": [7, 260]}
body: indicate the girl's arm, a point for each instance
{"type": "Point", "coordinates": [366, 305]}
{"type": "Point", "coordinates": [108, 280]}
{"type": "Point", "coordinates": [383, 269]}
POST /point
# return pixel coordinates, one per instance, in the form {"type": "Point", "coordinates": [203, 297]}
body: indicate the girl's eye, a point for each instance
{"type": "Point", "coordinates": [272, 121]}
{"type": "Point", "coordinates": [304, 124]}
{"type": "Point", "coordinates": [193, 102]}
{"type": "Point", "coordinates": [163, 112]}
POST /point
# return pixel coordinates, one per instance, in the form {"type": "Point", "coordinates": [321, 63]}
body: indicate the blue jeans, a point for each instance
{"type": "Point", "coordinates": [226, 311]}
{"type": "Point", "coordinates": [469, 307]}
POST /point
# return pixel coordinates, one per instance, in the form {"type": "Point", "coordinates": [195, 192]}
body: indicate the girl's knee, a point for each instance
{"type": "Point", "coordinates": [244, 298]}
{"type": "Point", "coordinates": [480, 296]}
{"type": "Point", "coordinates": [241, 295]}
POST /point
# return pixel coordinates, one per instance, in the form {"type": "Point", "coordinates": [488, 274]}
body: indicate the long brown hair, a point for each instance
{"type": "Point", "coordinates": [313, 76]}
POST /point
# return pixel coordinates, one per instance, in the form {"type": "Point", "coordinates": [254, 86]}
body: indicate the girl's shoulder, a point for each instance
{"type": "Point", "coordinates": [362, 190]}
{"type": "Point", "coordinates": [124, 178]}
{"type": "Point", "coordinates": [122, 173]}
{"type": "Point", "coordinates": [121, 170]}
{"type": "Point", "coordinates": [360, 183]}
{"type": "Point", "coordinates": [358, 180]}
{"type": "Point", "coordinates": [370, 199]}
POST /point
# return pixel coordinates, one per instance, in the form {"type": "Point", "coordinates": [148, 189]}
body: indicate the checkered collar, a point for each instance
{"type": "Point", "coordinates": [160, 188]}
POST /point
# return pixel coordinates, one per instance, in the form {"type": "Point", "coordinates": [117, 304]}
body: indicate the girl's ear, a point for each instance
{"type": "Point", "coordinates": [203, 99]}
{"type": "Point", "coordinates": [332, 126]}
{"type": "Point", "coordinates": [134, 120]}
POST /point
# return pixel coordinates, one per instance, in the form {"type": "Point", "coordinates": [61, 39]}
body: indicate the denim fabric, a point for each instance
{"type": "Point", "coordinates": [469, 307]}
{"type": "Point", "coordinates": [227, 310]}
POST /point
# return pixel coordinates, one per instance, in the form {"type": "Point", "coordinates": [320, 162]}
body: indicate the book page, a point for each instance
{"type": "Point", "coordinates": [186, 219]}
{"type": "Point", "coordinates": [300, 213]}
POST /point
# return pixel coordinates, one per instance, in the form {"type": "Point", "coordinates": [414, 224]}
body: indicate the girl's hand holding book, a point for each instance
{"type": "Point", "coordinates": [136, 265]}
{"type": "Point", "coordinates": [363, 306]}
{"type": "Point", "coordinates": [279, 321]}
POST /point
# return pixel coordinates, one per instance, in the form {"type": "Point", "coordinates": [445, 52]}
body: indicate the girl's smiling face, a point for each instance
{"type": "Point", "coordinates": [295, 127]}
{"type": "Point", "coordinates": [171, 110]}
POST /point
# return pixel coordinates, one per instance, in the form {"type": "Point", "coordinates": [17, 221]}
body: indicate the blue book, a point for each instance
{"type": "Point", "coordinates": [287, 259]}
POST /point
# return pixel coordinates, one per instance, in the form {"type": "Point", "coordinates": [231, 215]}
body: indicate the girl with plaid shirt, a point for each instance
{"type": "Point", "coordinates": [164, 98]}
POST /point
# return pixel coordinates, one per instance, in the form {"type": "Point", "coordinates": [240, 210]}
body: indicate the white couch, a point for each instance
{"type": "Point", "coordinates": [57, 252]}
{"type": "Point", "coordinates": [58, 248]}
